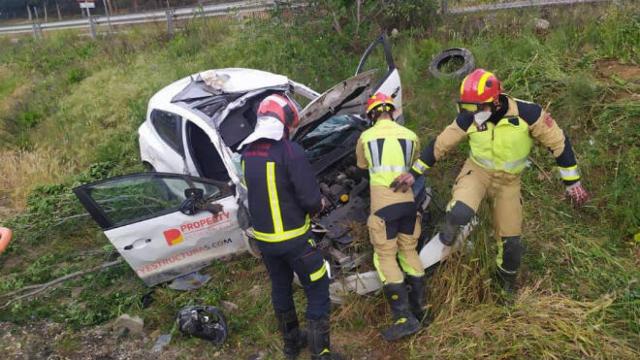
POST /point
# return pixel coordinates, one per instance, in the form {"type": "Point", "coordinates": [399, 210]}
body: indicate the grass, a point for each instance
{"type": "Point", "coordinates": [71, 107]}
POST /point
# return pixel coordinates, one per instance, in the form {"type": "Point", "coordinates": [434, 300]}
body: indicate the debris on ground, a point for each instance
{"type": "Point", "coordinates": [228, 306]}
{"type": "Point", "coordinates": [162, 341]}
{"type": "Point", "coordinates": [541, 24]}
{"type": "Point", "coordinates": [188, 282]}
{"type": "Point", "coordinates": [126, 324]}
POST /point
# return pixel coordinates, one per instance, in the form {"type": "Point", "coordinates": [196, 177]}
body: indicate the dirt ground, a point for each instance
{"type": "Point", "coordinates": [610, 68]}
{"type": "Point", "coordinates": [47, 340]}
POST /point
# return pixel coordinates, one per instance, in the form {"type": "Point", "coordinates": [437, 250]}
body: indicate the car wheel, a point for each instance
{"type": "Point", "coordinates": [251, 244]}
{"type": "Point", "coordinates": [452, 63]}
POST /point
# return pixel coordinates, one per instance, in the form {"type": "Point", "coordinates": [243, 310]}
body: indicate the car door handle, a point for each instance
{"type": "Point", "coordinates": [138, 244]}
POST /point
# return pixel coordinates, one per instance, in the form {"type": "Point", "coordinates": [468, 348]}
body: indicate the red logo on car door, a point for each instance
{"type": "Point", "coordinates": [173, 236]}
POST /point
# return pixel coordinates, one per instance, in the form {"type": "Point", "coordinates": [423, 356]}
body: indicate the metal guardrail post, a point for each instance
{"type": "Point", "coordinates": [92, 27]}
{"type": "Point", "coordinates": [170, 26]}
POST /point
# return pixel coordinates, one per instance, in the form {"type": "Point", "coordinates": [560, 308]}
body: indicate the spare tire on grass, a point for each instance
{"type": "Point", "coordinates": [459, 60]}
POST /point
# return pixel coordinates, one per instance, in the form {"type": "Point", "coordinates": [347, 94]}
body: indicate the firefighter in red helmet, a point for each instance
{"type": "Point", "coordinates": [501, 131]}
{"type": "Point", "coordinates": [282, 194]}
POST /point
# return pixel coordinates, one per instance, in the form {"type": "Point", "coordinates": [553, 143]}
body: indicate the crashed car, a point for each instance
{"type": "Point", "coordinates": [190, 141]}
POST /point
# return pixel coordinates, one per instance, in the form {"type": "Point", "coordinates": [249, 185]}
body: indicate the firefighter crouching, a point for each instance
{"type": "Point", "coordinates": [282, 194]}
{"type": "Point", "coordinates": [501, 131]}
{"type": "Point", "coordinates": [387, 150]}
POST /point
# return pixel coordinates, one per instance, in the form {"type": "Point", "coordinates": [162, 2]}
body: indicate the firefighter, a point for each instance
{"type": "Point", "coordinates": [501, 131]}
{"type": "Point", "coordinates": [282, 194]}
{"type": "Point", "coordinates": [387, 149]}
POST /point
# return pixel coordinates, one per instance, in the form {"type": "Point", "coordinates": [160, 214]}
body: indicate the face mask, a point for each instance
{"type": "Point", "coordinates": [481, 117]}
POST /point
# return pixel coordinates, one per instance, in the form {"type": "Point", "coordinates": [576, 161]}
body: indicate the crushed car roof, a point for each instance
{"type": "Point", "coordinates": [217, 82]}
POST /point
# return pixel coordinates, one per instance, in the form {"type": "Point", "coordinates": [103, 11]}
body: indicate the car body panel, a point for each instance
{"type": "Point", "coordinates": [211, 101]}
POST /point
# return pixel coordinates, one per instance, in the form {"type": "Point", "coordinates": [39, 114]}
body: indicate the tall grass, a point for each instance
{"type": "Point", "coordinates": [24, 170]}
{"type": "Point", "coordinates": [580, 295]}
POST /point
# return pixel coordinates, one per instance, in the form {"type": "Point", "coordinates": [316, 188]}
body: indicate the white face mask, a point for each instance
{"type": "Point", "coordinates": [481, 117]}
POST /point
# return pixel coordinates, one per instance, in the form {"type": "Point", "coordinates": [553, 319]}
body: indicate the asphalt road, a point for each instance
{"type": "Point", "coordinates": [151, 16]}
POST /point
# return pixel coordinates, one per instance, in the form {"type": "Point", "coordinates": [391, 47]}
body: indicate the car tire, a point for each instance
{"type": "Point", "coordinates": [448, 55]}
{"type": "Point", "coordinates": [250, 242]}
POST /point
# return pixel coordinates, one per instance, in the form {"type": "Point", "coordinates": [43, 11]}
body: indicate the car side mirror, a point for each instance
{"type": "Point", "coordinates": [194, 196]}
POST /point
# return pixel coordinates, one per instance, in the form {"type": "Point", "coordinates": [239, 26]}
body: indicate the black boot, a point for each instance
{"type": "Point", "coordinates": [319, 340]}
{"type": "Point", "coordinates": [404, 322]}
{"type": "Point", "coordinates": [417, 297]}
{"type": "Point", "coordinates": [294, 338]}
{"type": "Point", "coordinates": [449, 232]}
{"type": "Point", "coordinates": [508, 280]}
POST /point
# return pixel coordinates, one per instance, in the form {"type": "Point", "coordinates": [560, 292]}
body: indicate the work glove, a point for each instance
{"type": "Point", "coordinates": [403, 182]}
{"type": "Point", "coordinates": [577, 194]}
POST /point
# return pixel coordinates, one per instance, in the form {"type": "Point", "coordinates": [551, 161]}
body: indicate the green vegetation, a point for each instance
{"type": "Point", "coordinates": [71, 107]}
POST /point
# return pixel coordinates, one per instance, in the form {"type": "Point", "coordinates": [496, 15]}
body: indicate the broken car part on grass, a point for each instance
{"type": "Point", "coordinates": [190, 142]}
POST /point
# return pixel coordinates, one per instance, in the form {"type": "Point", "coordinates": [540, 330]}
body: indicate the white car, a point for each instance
{"type": "Point", "coordinates": [189, 141]}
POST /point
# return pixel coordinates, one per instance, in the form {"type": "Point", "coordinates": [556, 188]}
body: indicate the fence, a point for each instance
{"type": "Point", "coordinates": [448, 7]}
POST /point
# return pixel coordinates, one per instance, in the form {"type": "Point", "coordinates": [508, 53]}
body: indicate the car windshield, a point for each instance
{"type": "Point", "coordinates": [331, 133]}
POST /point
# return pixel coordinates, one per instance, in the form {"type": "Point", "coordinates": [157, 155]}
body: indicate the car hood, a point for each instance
{"type": "Point", "coordinates": [346, 97]}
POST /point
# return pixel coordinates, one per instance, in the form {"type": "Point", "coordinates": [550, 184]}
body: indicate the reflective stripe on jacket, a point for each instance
{"type": "Point", "coordinates": [503, 146]}
{"type": "Point", "coordinates": [506, 142]}
{"type": "Point", "coordinates": [389, 149]}
{"type": "Point", "coordinates": [281, 188]}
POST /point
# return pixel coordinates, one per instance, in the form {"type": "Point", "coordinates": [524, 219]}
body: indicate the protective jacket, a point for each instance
{"type": "Point", "coordinates": [387, 150]}
{"type": "Point", "coordinates": [282, 189]}
{"type": "Point", "coordinates": [503, 143]}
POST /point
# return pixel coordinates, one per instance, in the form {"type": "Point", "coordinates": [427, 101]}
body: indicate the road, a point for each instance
{"type": "Point", "coordinates": [151, 16]}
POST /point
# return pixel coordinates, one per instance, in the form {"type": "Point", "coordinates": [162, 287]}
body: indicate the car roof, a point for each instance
{"type": "Point", "coordinates": [224, 81]}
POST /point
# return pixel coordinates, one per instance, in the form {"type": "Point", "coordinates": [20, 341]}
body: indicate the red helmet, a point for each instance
{"type": "Point", "coordinates": [380, 99]}
{"type": "Point", "coordinates": [479, 87]}
{"type": "Point", "coordinates": [282, 108]}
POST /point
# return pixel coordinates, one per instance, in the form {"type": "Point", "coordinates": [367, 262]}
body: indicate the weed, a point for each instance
{"type": "Point", "coordinates": [73, 106]}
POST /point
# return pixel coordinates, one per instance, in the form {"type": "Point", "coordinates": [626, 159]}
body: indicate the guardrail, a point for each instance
{"type": "Point", "coordinates": [512, 5]}
{"type": "Point", "coordinates": [246, 6]}
{"type": "Point", "coordinates": [152, 16]}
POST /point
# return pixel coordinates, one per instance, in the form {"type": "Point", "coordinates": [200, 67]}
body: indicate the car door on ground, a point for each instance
{"type": "Point", "coordinates": [140, 214]}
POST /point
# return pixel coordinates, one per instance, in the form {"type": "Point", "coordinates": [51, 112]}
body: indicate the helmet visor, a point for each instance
{"type": "Point", "coordinates": [470, 107]}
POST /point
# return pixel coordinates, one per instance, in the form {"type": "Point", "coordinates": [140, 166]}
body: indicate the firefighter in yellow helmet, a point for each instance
{"type": "Point", "coordinates": [501, 131]}
{"type": "Point", "coordinates": [387, 149]}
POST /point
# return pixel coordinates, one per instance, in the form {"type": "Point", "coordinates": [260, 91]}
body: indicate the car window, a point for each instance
{"type": "Point", "coordinates": [129, 199]}
{"type": "Point", "coordinates": [169, 127]}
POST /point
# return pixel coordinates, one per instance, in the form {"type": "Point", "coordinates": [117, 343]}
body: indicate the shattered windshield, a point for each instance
{"type": "Point", "coordinates": [330, 134]}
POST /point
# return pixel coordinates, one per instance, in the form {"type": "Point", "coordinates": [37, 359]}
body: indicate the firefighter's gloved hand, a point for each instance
{"type": "Point", "coordinates": [214, 208]}
{"type": "Point", "coordinates": [577, 194]}
{"type": "Point", "coordinates": [403, 182]}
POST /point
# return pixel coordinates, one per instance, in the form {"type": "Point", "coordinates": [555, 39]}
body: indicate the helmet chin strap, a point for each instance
{"type": "Point", "coordinates": [377, 114]}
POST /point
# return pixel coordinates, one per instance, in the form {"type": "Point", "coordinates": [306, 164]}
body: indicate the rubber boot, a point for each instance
{"type": "Point", "coordinates": [319, 340]}
{"type": "Point", "coordinates": [508, 280]}
{"type": "Point", "coordinates": [294, 338]}
{"type": "Point", "coordinates": [417, 297]}
{"type": "Point", "coordinates": [449, 231]}
{"type": "Point", "coordinates": [404, 322]}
